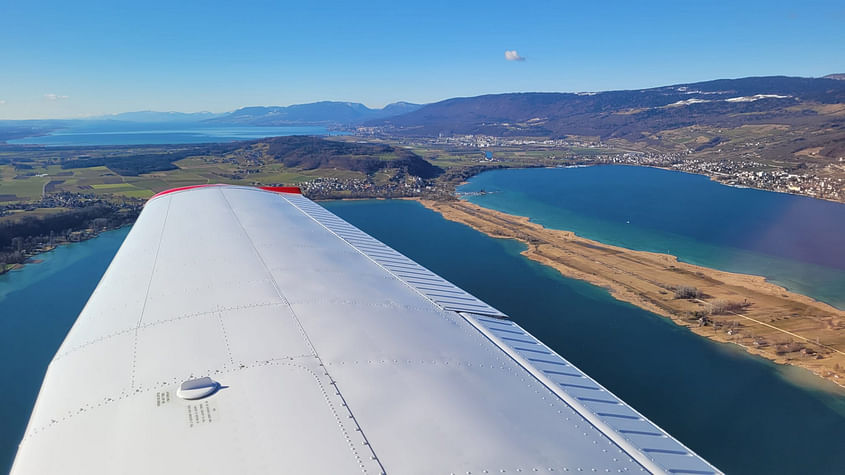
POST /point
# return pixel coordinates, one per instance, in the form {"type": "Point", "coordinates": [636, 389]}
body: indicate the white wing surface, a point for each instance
{"type": "Point", "coordinates": [240, 330]}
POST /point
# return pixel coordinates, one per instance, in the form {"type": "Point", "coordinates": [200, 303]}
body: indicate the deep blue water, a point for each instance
{"type": "Point", "coordinates": [743, 413]}
{"type": "Point", "coordinates": [130, 133]}
{"type": "Point", "coordinates": [794, 241]}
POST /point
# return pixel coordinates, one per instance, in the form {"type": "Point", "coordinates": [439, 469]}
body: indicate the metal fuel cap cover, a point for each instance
{"type": "Point", "coordinates": [197, 388]}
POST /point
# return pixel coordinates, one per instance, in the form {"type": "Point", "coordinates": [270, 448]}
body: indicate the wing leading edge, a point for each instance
{"type": "Point", "coordinates": [329, 351]}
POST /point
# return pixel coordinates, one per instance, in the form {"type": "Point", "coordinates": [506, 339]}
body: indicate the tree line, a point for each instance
{"type": "Point", "coordinates": [22, 237]}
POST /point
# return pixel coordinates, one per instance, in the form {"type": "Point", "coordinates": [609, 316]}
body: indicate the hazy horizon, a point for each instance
{"type": "Point", "coordinates": [379, 106]}
{"type": "Point", "coordinates": [90, 58]}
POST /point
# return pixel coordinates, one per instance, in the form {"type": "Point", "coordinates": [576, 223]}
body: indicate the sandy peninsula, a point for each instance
{"type": "Point", "coordinates": [746, 310]}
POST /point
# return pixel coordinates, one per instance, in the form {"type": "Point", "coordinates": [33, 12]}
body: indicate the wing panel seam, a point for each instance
{"type": "Point", "coordinates": [147, 293]}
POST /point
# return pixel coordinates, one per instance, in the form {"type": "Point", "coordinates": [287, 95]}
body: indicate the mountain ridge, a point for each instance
{"type": "Point", "coordinates": [618, 113]}
{"type": "Point", "coordinates": [314, 113]}
{"type": "Point", "coordinates": [623, 114]}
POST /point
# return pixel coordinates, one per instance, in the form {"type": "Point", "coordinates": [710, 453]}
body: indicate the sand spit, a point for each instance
{"type": "Point", "coordinates": [746, 310]}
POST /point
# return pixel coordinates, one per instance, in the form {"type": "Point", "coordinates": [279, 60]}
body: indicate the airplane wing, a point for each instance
{"type": "Point", "coordinates": [245, 330]}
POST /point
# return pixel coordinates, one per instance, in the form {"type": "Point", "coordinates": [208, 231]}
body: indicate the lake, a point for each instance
{"type": "Point", "coordinates": [794, 241]}
{"type": "Point", "coordinates": [130, 133]}
{"type": "Point", "coordinates": [743, 413]}
{"type": "Point", "coordinates": [38, 305]}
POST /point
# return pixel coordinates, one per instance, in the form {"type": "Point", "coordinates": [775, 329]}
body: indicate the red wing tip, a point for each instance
{"type": "Point", "coordinates": [282, 189]}
{"type": "Point", "coordinates": [275, 189]}
{"type": "Point", "coordinates": [181, 188]}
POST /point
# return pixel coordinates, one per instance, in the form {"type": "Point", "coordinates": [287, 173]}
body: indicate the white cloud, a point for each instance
{"type": "Point", "coordinates": [512, 55]}
{"type": "Point", "coordinates": [2, 102]}
{"type": "Point", "coordinates": [54, 97]}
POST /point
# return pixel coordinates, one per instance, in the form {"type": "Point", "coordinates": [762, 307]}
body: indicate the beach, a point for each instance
{"type": "Point", "coordinates": [746, 310]}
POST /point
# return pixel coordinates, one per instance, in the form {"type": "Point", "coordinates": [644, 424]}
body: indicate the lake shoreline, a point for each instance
{"type": "Point", "coordinates": [761, 317]}
{"type": "Point", "coordinates": [715, 178]}
{"type": "Point", "coordinates": [711, 176]}
{"type": "Point", "coordinates": [31, 258]}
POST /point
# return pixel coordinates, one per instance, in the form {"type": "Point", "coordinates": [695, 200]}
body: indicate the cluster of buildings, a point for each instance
{"type": "Point", "coordinates": [486, 141]}
{"type": "Point", "coordinates": [327, 188]}
{"type": "Point", "coordinates": [746, 173]}
{"type": "Point", "coordinates": [828, 188]}
{"type": "Point", "coordinates": [62, 199]}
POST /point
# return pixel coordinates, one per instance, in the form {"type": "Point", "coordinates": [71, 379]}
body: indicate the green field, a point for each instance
{"type": "Point", "coordinates": [100, 180]}
{"type": "Point", "coordinates": [24, 188]}
{"type": "Point", "coordinates": [249, 165]}
{"type": "Point", "coordinates": [107, 187]}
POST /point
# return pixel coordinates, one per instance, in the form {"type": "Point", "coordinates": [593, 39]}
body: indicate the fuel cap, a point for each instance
{"type": "Point", "coordinates": [197, 388]}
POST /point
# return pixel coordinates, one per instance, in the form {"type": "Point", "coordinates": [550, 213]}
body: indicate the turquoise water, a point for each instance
{"type": "Point", "coordinates": [156, 134]}
{"type": "Point", "coordinates": [793, 241]}
{"type": "Point", "coordinates": [743, 413]}
{"type": "Point", "coordinates": [38, 305]}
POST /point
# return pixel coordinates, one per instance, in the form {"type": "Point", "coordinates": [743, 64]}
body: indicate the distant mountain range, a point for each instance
{"type": "Point", "coordinates": [160, 117]}
{"type": "Point", "coordinates": [316, 113]}
{"type": "Point", "coordinates": [629, 114]}
{"type": "Point", "coordinates": [326, 113]}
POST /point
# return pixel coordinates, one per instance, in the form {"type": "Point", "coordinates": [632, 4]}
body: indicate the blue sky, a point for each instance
{"type": "Point", "coordinates": [80, 58]}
